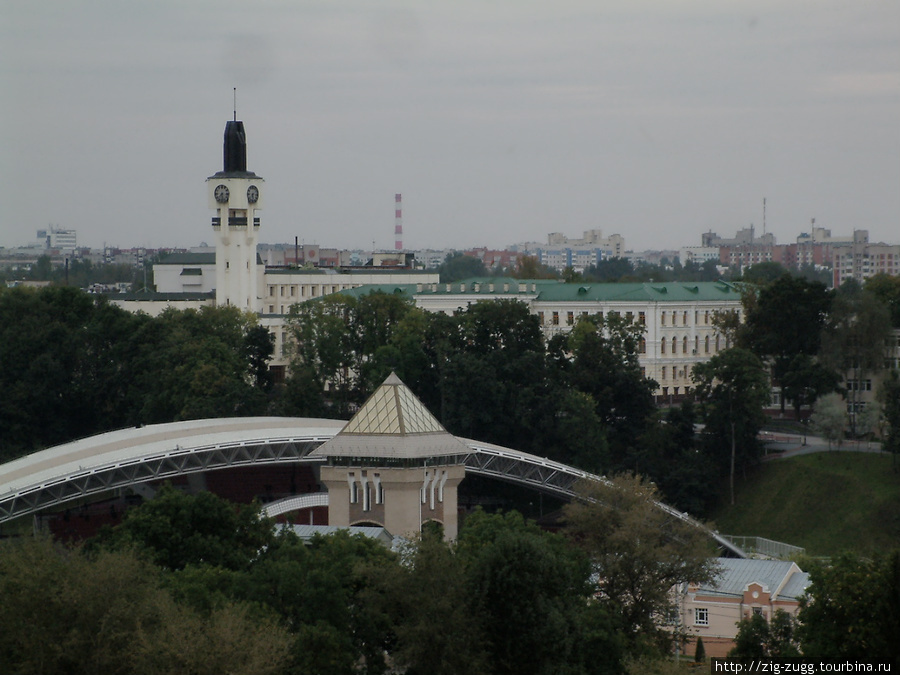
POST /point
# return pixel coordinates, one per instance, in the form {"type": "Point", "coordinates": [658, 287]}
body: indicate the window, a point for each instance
{"type": "Point", "coordinates": [674, 345]}
{"type": "Point", "coordinates": [541, 318]}
{"type": "Point", "coordinates": [662, 346]}
{"type": "Point", "coordinates": [701, 616]}
{"type": "Point", "coordinates": [706, 318]}
{"type": "Point", "coordinates": [642, 318]}
{"type": "Point", "coordinates": [555, 318]}
{"type": "Point", "coordinates": [684, 319]}
{"type": "Point", "coordinates": [570, 318]}
{"type": "Point", "coordinates": [696, 344]}
{"type": "Point", "coordinates": [663, 376]}
{"type": "Point", "coordinates": [706, 344]}
{"type": "Point", "coordinates": [662, 319]}
{"type": "Point", "coordinates": [642, 346]}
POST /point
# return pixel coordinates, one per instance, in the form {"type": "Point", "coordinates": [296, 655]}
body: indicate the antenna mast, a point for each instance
{"type": "Point", "coordinates": [235, 104]}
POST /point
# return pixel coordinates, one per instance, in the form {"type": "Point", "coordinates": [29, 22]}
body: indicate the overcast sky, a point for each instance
{"type": "Point", "coordinates": [498, 120]}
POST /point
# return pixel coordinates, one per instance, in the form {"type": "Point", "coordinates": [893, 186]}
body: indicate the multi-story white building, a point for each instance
{"type": "Point", "coordinates": [562, 252]}
{"type": "Point", "coordinates": [698, 254]}
{"type": "Point", "coordinates": [678, 318]}
{"type": "Point", "coordinates": [57, 238]}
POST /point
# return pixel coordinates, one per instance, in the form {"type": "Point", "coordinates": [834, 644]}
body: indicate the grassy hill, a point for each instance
{"type": "Point", "coordinates": [827, 502]}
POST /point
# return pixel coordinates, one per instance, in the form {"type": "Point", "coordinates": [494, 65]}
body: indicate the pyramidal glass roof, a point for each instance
{"type": "Point", "coordinates": [393, 409]}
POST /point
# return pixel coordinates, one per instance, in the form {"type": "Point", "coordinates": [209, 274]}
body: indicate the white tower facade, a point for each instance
{"type": "Point", "coordinates": [235, 194]}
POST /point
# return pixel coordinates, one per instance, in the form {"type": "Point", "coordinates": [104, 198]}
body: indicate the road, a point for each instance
{"type": "Point", "coordinates": [779, 446]}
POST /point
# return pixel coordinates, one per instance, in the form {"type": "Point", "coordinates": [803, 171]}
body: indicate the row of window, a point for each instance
{"type": "Point", "coordinates": [683, 373]}
{"type": "Point", "coordinates": [707, 315]}
{"type": "Point", "coordinates": [315, 290]}
{"type": "Point", "coordinates": [672, 344]}
{"type": "Point", "coordinates": [365, 489]}
{"type": "Point", "coordinates": [673, 317]}
{"type": "Point", "coordinates": [701, 615]}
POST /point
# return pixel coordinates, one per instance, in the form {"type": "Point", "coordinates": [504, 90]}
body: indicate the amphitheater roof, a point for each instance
{"type": "Point", "coordinates": [125, 445]}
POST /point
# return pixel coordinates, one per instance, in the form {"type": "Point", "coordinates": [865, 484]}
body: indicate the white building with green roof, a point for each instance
{"type": "Point", "coordinates": [678, 317]}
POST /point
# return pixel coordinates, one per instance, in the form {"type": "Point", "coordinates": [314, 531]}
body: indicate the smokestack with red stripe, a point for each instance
{"type": "Point", "coordinates": [398, 223]}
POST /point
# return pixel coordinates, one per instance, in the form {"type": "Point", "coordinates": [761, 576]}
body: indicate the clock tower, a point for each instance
{"type": "Point", "coordinates": [235, 194]}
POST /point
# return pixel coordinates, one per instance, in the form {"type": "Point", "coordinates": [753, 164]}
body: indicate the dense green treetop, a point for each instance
{"type": "Point", "coordinates": [733, 387]}
{"type": "Point", "coordinates": [887, 289]}
{"type": "Point", "coordinates": [639, 552]}
{"type": "Point", "coordinates": [73, 365]}
{"type": "Point", "coordinates": [458, 266]}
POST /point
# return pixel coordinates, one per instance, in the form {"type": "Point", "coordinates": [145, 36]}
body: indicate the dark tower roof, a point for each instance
{"type": "Point", "coordinates": [235, 152]}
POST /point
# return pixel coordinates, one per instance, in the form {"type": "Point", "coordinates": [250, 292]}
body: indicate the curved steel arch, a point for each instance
{"type": "Point", "coordinates": [128, 457]}
{"type": "Point", "coordinates": [131, 456]}
{"type": "Point", "coordinates": [557, 479]}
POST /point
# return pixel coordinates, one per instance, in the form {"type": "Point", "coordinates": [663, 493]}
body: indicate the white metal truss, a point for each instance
{"type": "Point", "coordinates": [484, 459]}
{"type": "Point", "coordinates": [177, 462]}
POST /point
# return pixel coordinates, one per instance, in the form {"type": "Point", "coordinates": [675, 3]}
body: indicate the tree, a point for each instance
{"type": "Point", "coordinates": [64, 366]}
{"type": "Point", "coordinates": [611, 269]}
{"type": "Point", "coordinates": [886, 287]}
{"type": "Point", "coordinates": [533, 593]}
{"type": "Point", "coordinates": [639, 552]}
{"type": "Point", "coordinates": [605, 365]}
{"type": "Point", "coordinates": [177, 529]}
{"type": "Point", "coordinates": [259, 345]}
{"type": "Point", "coordinates": [852, 609]}
{"type": "Point", "coordinates": [324, 346]}
{"type": "Point", "coordinates": [889, 394]}
{"type": "Point", "coordinates": [830, 417]}
{"type": "Point", "coordinates": [528, 267]}
{"type": "Point", "coordinates": [760, 639]}
{"type": "Point", "coordinates": [685, 469]}
{"type": "Point", "coordinates": [805, 380]}
{"type": "Point", "coordinates": [764, 272]}
{"type": "Point", "coordinates": [438, 628]}
{"type": "Point", "coordinates": [868, 422]}
{"type": "Point", "coordinates": [69, 613]}
{"type": "Point", "coordinates": [854, 340]}
{"type": "Point", "coordinates": [785, 322]}
{"type": "Point", "coordinates": [700, 651]}
{"type": "Point", "coordinates": [458, 266]}
{"type": "Point", "coordinates": [734, 387]}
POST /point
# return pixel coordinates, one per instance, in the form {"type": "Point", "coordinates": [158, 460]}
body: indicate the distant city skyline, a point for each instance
{"type": "Point", "coordinates": [499, 122]}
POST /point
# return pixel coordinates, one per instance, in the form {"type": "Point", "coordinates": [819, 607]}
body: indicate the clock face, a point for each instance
{"type": "Point", "coordinates": [221, 194]}
{"type": "Point", "coordinates": [252, 194]}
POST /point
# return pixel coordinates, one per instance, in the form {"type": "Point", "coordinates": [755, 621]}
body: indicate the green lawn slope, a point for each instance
{"type": "Point", "coordinates": [826, 502]}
